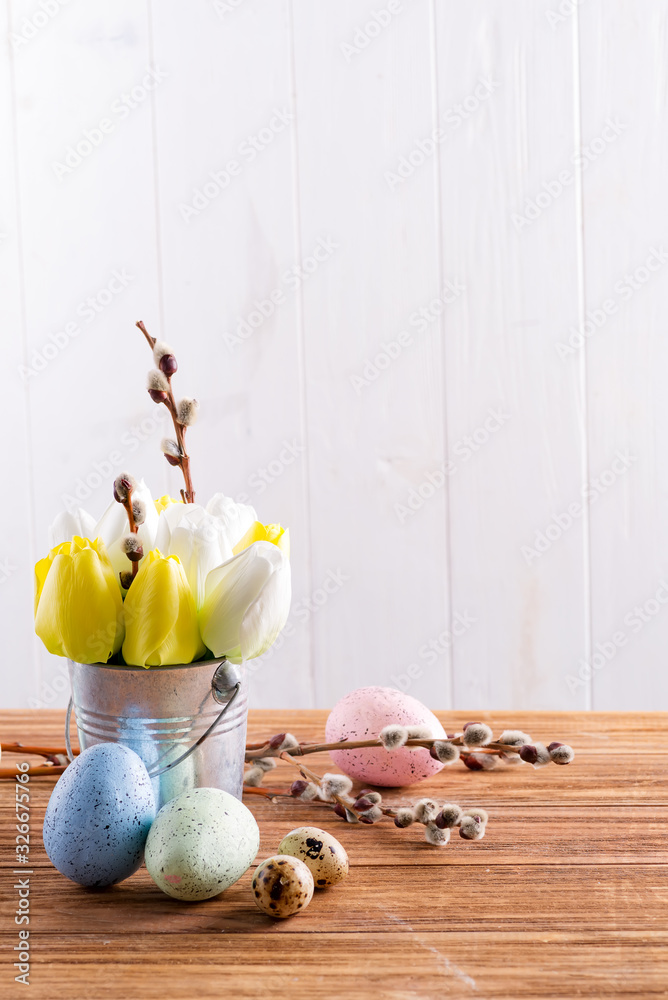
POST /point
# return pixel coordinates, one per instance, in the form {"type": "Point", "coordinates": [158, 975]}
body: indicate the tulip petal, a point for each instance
{"type": "Point", "coordinates": [259, 532]}
{"type": "Point", "coordinates": [79, 610]}
{"type": "Point", "coordinates": [236, 518]}
{"type": "Point", "coordinates": [70, 523]}
{"type": "Point", "coordinates": [160, 615]}
{"type": "Point", "coordinates": [229, 617]}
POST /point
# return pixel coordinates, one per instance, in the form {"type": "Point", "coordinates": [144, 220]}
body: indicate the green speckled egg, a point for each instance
{"type": "Point", "coordinates": [321, 853]}
{"type": "Point", "coordinates": [282, 885]}
{"type": "Point", "coordinates": [201, 843]}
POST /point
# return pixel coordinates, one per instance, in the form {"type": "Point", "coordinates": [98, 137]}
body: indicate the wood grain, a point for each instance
{"type": "Point", "coordinates": [564, 897]}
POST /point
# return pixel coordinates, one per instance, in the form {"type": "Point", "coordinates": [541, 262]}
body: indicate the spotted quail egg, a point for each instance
{"type": "Point", "coordinates": [321, 853]}
{"type": "Point", "coordinates": [282, 885]}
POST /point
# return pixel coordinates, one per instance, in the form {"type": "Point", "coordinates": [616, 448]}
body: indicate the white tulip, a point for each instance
{"type": "Point", "coordinates": [200, 540]}
{"type": "Point", "coordinates": [247, 602]}
{"type": "Point", "coordinates": [113, 526]}
{"type": "Point", "coordinates": [236, 517]}
{"type": "Point", "coordinates": [70, 523]}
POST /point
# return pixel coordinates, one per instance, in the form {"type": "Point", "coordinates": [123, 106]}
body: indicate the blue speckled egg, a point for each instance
{"type": "Point", "coordinates": [201, 843]}
{"type": "Point", "coordinates": [99, 816]}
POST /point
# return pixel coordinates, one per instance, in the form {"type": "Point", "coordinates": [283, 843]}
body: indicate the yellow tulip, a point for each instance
{"type": "Point", "coordinates": [160, 615]}
{"type": "Point", "coordinates": [259, 532]}
{"type": "Point", "coordinates": [165, 501]}
{"type": "Point", "coordinates": [78, 603]}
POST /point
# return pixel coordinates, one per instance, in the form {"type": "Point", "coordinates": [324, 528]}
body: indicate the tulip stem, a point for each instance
{"type": "Point", "coordinates": [187, 495]}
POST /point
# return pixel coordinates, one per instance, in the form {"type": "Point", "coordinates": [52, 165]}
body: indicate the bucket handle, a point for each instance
{"type": "Point", "coordinates": [225, 680]}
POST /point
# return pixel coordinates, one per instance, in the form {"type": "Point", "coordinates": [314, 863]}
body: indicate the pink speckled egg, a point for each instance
{"type": "Point", "coordinates": [360, 716]}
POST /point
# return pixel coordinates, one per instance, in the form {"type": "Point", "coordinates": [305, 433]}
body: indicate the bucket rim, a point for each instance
{"type": "Point", "coordinates": [145, 670]}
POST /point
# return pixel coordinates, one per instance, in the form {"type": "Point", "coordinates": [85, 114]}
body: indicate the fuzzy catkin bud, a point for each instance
{"type": "Point", "coordinates": [477, 734]}
{"type": "Point", "coordinates": [138, 511]}
{"type": "Point", "coordinates": [132, 547]}
{"type": "Point", "coordinates": [471, 829]}
{"type": "Point", "coordinates": [514, 737]}
{"type": "Point", "coordinates": [265, 763]}
{"type": "Point", "coordinates": [186, 411]}
{"type": "Point", "coordinates": [160, 350]}
{"type": "Point", "coordinates": [561, 753]}
{"type": "Point", "coordinates": [419, 733]}
{"type": "Point", "coordinates": [310, 792]}
{"type": "Point", "coordinates": [375, 797]}
{"type": "Point", "coordinates": [253, 777]}
{"type": "Point", "coordinates": [334, 784]}
{"type": "Point", "coordinates": [425, 810]}
{"type": "Point", "coordinates": [124, 486]}
{"type": "Point", "coordinates": [283, 741]}
{"type": "Point", "coordinates": [171, 451]}
{"type": "Point", "coordinates": [404, 818]}
{"type": "Point", "coordinates": [542, 755]}
{"type": "Point", "coordinates": [371, 815]}
{"type": "Point", "coordinates": [449, 815]}
{"type": "Point", "coordinates": [436, 835]}
{"type": "Point", "coordinates": [446, 752]}
{"type": "Point", "coordinates": [482, 761]}
{"type": "Point", "coordinates": [363, 803]}
{"type": "Point", "coordinates": [478, 814]}
{"type": "Point", "coordinates": [297, 787]}
{"type": "Point", "coordinates": [392, 737]}
{"type": "Point", "coordinates": [157, 381]}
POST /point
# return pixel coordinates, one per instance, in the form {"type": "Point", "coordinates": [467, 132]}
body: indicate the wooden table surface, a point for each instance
{"type": "Point", "coordinates": [566, 896]}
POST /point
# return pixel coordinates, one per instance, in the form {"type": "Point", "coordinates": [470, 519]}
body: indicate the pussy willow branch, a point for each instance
{"type": "Point", "coordinates": [188, 495]}
{"type": "Point", "coordinates": [265, 750]}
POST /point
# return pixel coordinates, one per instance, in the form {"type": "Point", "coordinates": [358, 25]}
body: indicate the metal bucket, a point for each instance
{"type": "Point", "coordinates": [161, 713]}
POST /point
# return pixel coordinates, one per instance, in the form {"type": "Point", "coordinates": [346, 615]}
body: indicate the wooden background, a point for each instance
{"type": "Point", "coordinates": [490, 479]}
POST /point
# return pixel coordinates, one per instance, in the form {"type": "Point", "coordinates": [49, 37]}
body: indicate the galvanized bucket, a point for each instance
{"type": "Point", "coordinates": [186, 722]}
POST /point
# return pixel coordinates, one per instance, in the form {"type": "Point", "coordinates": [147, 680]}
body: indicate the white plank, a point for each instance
{"type": "Point", "coordinates": [624, 79]}
{"type": "Point", "coordinates": [17, 549]}
{"type": "Point", "coordinates": [229, 98]}
{"type": "Point", "coordinates": [506, 101]}
{"type": "Point", "coordinates": [370, 443]}
{"type": "Point", "coordinates": [78, 230]}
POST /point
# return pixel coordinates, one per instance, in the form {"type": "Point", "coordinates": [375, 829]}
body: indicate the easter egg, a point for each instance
{"type": "Point", "coordinates": [322, 854]}
{"type": "Point", "coordinates": [99, 816]}
{"type": "Point", "coordinates": [360, 716]}
{"type": "Point", "coordinates": [200, 843]}
{"type": "Point", "coordinates": [282, 885]}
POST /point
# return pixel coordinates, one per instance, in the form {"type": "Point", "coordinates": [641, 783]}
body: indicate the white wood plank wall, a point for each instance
{"type": "Point", "coordinates": [454, 219]}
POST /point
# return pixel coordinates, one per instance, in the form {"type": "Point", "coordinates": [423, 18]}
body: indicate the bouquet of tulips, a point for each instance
{"type": "Point", "coordinates": [161, 582]}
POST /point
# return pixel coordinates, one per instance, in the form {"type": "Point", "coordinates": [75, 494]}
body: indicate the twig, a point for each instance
{"type": "Point", "coordinates": [187, 495]}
